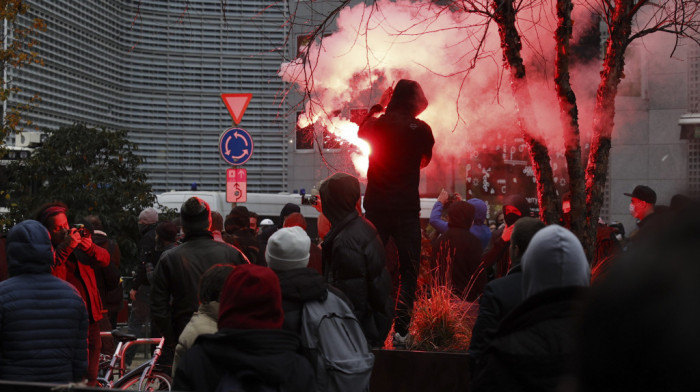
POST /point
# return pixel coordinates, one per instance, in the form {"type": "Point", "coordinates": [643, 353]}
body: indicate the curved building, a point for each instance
{"type": "Point", "coordinates": [158, 69]}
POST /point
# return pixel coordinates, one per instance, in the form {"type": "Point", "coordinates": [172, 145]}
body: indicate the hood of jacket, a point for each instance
{"type": "Point", "coordinates": [302, 285]}
{"type": "Point", "coordinates": [460, 214]}
{"type": "Point", "coordinates": [29, 249]}
{"type": "Point", "coordinates": [339, 195]}
{"type": "Point", "coordinates": [480, 210]}
{"type": "Point", "coordinates": [554, 259]}
{"type": "Point", "coordinates": [407, 98]}
{"type": "Point", "coordinates": [519, 202]}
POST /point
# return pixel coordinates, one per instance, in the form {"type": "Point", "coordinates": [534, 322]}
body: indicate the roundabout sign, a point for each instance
{"type": "Point", "coordinates": [236, 146]}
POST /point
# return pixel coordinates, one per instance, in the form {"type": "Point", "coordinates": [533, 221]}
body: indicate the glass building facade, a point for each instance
{"type": "Point", "coordinates": [158, 69]}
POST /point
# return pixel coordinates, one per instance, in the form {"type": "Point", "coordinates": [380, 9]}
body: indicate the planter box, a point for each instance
{"type": "Point", "coordinates": [419, 371]}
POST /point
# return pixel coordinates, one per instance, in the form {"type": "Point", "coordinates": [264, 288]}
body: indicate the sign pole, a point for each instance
{"type": "Point", "coordinates": [236, 147]}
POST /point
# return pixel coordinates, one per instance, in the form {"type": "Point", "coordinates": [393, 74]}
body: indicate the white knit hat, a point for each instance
{"type": "Point", "coordinates": [288, 248]}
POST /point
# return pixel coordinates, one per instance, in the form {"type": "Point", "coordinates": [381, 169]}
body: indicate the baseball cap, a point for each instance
{"type": "Point", "coordinates": [644, 193]}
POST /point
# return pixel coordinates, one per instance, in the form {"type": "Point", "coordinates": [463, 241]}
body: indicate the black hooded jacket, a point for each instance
{"type": "Point", "coordinates": [354, 258]}
{"type": "Point", "coordinates": [299, 286]}
{"type": "Point", "coordinates": [457, 253]}
{"type": "Point", "coordinates": [270, 353]}
{"type": "Point", "coordinates": [401, 145]}
{"type": "Point", "coordinates": [43, 319]}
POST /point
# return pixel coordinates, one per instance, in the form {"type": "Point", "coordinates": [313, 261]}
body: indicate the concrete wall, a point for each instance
{"type": "Point", "coordinates": [647, 148]}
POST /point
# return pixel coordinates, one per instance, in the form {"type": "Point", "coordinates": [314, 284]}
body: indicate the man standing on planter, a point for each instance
{"type": "Point", "coordinates": [401, 146]}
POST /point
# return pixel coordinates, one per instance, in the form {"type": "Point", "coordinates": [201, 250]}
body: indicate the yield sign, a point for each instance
{"type": "Point", "coordinates": [236, 105]}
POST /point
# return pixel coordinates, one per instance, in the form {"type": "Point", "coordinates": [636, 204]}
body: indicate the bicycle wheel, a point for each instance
{"type": "Point", "coordinates": [157, 381]}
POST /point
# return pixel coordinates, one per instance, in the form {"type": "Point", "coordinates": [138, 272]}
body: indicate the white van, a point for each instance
{"type": "Point", "coordinates": [174, 199]}
{"type": "Point", "coordinates": [267, 205]}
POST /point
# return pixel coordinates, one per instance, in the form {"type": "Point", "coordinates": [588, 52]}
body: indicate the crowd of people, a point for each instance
{"type": "Point", "coordinates": [229, 294]}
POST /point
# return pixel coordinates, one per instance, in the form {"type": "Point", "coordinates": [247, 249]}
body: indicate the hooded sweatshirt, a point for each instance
{"type": "Point", "coordinates": [339, 195]}
{"type": "Point", "coordinates": [535, 340]}
{"type": "Point", "coordinates": [479, 229]}
{"type": "Point", "coordinates": [554, 259]}
{"type": "Point", "coordinates": [399, 142]}
{"type": "Point", "coordinates": [43, 319]}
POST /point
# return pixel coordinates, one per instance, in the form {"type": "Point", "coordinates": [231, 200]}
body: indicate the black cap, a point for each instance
{"type": "Point", "coordinates": [644, 193]}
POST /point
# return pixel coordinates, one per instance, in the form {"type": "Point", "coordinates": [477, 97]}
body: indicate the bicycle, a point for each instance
{"type": "Point", "coordinates": [149, 376]}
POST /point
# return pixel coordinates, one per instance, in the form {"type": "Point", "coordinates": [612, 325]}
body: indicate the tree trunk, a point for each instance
{"type": "Point", "coordinates": [504, 15]}
{"type": "Point", "coordinates": [603, 117]}
{"type": "Point", "coordinates": [569, 118]}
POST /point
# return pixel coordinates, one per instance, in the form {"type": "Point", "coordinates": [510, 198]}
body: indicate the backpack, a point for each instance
{"type": "Point", "coordinates": [336, 346]}
{"type": "Point", "coordinates": [243, 381]}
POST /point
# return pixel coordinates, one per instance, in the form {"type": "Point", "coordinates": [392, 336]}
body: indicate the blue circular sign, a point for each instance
{"type": "Point", "coordinates": [236, 146]}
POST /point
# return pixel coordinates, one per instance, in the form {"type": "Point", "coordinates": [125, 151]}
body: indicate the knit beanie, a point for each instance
{"type": "Point", "coordinates": [295, 219]}
{"type": "Point", "coordinates": [251, 299]}
{"type": "Point", "coordinates": [148, 216]}
{"type": "Point", "coordinates": [195, 214]}
{"type": "Point", "coordinates": [288, 248]}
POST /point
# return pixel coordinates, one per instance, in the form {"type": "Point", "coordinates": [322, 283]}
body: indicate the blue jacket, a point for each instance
{"type": "Point", "coordinates": [478, 228]}
{"type": "Point", "coordinates": [43, 319]}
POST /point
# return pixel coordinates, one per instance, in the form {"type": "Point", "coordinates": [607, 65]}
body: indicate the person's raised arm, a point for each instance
{"type": "Point", "coordinates": [436, 214]}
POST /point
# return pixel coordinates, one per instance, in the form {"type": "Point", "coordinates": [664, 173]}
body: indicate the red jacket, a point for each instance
{"type": "Point", "coordinates": [84, 281]}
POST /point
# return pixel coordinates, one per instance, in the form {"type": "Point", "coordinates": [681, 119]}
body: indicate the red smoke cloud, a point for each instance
{"type": "Point", "coordinates": [470, 104]}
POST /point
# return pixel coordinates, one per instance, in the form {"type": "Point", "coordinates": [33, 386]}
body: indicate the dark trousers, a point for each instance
{"type": "Point", "coordinates": [139, 322]}
{"type": "Point", "coordinates": [404, 228]}
{"type": "Point", "coordinates": [94, 347]}
{"type": "Point", "coordinates": [107, 342]}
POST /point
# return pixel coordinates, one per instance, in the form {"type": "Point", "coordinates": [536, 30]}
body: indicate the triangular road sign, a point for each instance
{"type": "Point", "coordinates": [236, 105]}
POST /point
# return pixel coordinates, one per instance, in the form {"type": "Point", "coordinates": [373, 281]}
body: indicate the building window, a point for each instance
{"type": "Point", "coordinates": [330, 141]}
{"type": "Point", "coordinates": [304, 136]}
{"type": "Point", "coordinates": [303, 41]}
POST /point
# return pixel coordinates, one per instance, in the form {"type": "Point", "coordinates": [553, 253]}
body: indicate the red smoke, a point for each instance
{"type": "Point", "coordinates": [470, 110]}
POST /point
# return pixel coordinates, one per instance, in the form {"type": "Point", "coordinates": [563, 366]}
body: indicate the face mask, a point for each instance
{"type": "Point", "coordinates": [510, 219]}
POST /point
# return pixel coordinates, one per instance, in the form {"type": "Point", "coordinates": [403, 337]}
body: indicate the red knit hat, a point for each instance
{"type": "Point", "coordinates": [251, 299]}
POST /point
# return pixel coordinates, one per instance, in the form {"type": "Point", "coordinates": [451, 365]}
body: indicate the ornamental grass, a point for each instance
{"type": "Point", "coordinates": [441, 320]}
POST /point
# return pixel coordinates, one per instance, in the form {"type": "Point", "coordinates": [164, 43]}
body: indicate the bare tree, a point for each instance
{"type": "Point", "coordinates": [626, 20]}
